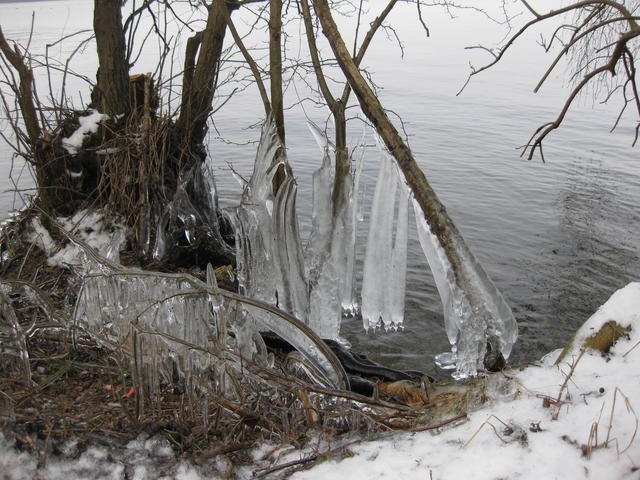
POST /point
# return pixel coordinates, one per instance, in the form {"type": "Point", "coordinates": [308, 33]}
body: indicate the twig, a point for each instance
{"type": "Point", "coordinates": [564, 384]}
{"type": "Point", "coordinates": [630, 410]}
{"type": "Point", "coordinates": [487, 422]}
{"type": "Point", "coordinates": [631, 349]}
{"type": "Point", "coordinates": [441, 424]}
{"type": "Point", "coordinates": [292, 463]}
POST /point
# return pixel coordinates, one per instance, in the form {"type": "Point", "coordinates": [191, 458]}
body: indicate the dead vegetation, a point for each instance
{"type": "Point", "coordinates": [58, 382]}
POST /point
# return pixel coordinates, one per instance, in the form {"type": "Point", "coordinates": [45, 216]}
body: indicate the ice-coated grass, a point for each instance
{"type": "Point", "coordinates": [514, 436]}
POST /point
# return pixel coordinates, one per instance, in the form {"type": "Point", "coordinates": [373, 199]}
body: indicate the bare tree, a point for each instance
{"type": "Point", "coordinates": [600, 39]}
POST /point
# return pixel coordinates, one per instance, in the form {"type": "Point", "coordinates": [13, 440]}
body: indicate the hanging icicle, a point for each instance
{"type": "Point", "coordinates": [384, 272]}
{"type": "Point", "coordinates": [330, 250]}
{"type": "Point", "coordinates": [394, 314]}
{"type": "Point", "coordinates": [349, 302]}
{"type": "Point", "coordinates": [473, 316]}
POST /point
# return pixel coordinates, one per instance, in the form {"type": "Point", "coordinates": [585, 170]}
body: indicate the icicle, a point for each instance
{"type": "Point", "coordinates": [13, 338]}
{"type": "Point", "coordinates": [320, 237]}
{"type": "Point", "coordinates": [113, 252]}
{"type": "Point", "coordinates": [394, 315]}
{"type": "Point", "coordinates": [328, 288]}
{"type": "Point", "coordinates": [166, 322]}
{"type": "Point", "coordinates": [377, 261]}
{"type": "Point", "coordinates": [330, 251]}
{"type": "Point", "coordinates": [216, 304]}
{"type": "Point", "coordinates": [475, 314]}
{"type": "Point", "coordinates": [155, 317]}
{"type": "Point", "coordinates": [349, 303]}
{"type": "Point", "coordinates": [269, 253]}
{"type": "Point", "coordinates": [160, 247]}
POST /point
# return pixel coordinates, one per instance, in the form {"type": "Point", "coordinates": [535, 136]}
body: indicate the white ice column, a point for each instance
{"type": "Point", "coordinates": [394, 315]}
{"type": "Point", "coordinates": [377, 263]}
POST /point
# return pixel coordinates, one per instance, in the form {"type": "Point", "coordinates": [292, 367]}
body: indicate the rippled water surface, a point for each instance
{"type": "Point", "coordinates": [557, 237]}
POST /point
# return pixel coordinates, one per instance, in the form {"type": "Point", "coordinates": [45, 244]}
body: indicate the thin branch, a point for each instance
{"type": "Point", "coordinates": [29, 114]}
{"type": "Point", "coordinates": [250, 61]}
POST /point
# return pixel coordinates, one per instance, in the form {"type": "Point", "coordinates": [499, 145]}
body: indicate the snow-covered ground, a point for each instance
{"type": "Point", "coordinates": [594, 436]}
{"type": "Point", "coordinates": [523, 433]}
{"type": "Point", "coordinates": [92, 227]}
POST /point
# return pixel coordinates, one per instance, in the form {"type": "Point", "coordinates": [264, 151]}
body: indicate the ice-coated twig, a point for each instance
{"type": "Point", "coordinates": [475, 313]}
{"type": "Point", "coordinates": [282, 323]}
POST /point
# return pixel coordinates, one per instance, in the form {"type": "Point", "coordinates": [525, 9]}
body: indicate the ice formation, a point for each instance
{"type": "Point", "coordinates": [398, 269]}
{"type": "Point", "coordinates": [186, 227]}
{"type": "Point", "coordinates": [327, 286]}
{"type": "Point", "coordinates": [475, 313]}
{"type": "Point", "coordinates": [13, 344]}
{"type": "Point", "coordinates": [172, 323]}
{"type": "Point", "coordinates": [330, 250]}
{"type": "Point", "coordinates": [161, 321]}
{"type": "Point", "coordinates": [385, 263]}
{"type": "Point", "coordinates": [269, 252]}
{"type": "Point", "coordinates": [312, 286]}
{"type": "Point", "coordinates": [349, 302]}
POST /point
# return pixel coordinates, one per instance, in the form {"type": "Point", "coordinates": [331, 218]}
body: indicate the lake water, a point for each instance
{"type": "Point", "coordinates": [557, 238]}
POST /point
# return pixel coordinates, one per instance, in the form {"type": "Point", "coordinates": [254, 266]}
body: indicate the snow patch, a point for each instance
{"type": "Point", "coordinates": [623, 308]}
{"type": "Point", "coordinates": [90, 227]}
{"type": "Point", "coordinates": [88, 125]}
{"type": "Point", "coordinates": [591, 433]}
{"type": "Point", "coordinates": [40, 237]}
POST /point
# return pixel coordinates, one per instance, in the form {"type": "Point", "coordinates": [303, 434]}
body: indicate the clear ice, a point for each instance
{"type": "Point", "coordinates": [475, 312]}
{"type": "Point", "coordinates": [330, 250]}
{"type": "Point", "coordinates": [398, 269]}
{"type": "Point", "coordinates": [172, 323]}
{"type": "Point", "coordinates": [269, 252]}
{"type": "Point", "coordinates": [349, 302]}
{"type": "Point", "coordinates": [13, 337]}
{"type": "Point", "coordinates": [385, 263]}
{"type": "Point", "coordinates": [312, 285]}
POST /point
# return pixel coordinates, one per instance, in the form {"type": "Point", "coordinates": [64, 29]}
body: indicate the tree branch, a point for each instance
{"type": "Point", "coordinates": [25, 94]}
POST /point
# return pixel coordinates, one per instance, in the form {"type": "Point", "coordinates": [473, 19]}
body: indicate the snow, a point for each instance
{"type": "Point", "coordinates": [603, 394]}
{"type": "Point", "coordinates": [88, 125]}
{"type": "Point", "coordinates": [599, 404]}
{"type": "Point", "coordinates": [92, 229]}
{"type": "Point", "coordinates": [40, 237]}
{"type": "Point", "coordinates": [623, 304]}
{"type": "Point", "coordinates": [89, 226]}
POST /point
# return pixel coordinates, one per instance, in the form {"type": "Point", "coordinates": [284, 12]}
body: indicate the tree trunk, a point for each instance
{"type": "Point", "coordinates": [191, 126]}
{"type": "Point", "coordinates": [112, 92]}
{"type": "Point", "coordinates": [342, 156]}
{"type": "Point", "coordinates": [275, 65]}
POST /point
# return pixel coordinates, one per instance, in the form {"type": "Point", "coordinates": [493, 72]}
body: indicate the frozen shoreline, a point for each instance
{"type": "Point", "coordinates": [595, 434]}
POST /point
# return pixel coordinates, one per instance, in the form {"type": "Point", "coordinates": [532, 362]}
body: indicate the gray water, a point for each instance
{"type": "Point", "coordinates": [558, 238]}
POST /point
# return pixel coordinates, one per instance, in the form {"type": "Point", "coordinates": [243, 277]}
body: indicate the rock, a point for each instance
{"type": "Point", "coordinates": [612, 321]}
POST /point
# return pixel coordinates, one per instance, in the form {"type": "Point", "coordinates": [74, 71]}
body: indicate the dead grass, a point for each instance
{"type": "Point", "coordinates": [77, 389]}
